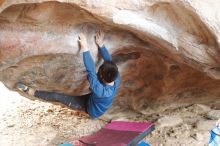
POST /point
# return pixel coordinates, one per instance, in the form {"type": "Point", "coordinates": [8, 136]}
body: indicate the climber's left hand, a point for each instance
{"type": "Point", "coordinates": [83, 42]}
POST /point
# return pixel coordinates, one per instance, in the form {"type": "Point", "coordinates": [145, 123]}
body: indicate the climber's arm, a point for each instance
{"type": "Point", "coordinates": [87, 58]}
{"type": "Point", "coordinates": [95, 85]}
{"type": "Point", "coordinates": [105, 54]}
{"type": "Point", "coordinates": [99, 38]}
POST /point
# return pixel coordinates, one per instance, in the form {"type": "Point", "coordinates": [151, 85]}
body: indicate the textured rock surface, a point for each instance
{"type": "Point", "coordinates": [205, 125]}
{"type": "Point", "coordinates": [169, 121]}
{"type": "Point", "coordinates": [213, 115]}
{"type": "Point", "coordinates": [166, 50]}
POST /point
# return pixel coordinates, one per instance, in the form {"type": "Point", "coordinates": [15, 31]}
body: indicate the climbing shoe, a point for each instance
{"type": "Point", "coordinates": [22, 87]}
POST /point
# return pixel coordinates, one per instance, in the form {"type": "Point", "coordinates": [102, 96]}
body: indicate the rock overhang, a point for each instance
{"type": "Point", "coordinates": [165, 51]}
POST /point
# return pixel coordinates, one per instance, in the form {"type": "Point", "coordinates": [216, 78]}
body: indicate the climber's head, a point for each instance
{"type": "Point", "coordinates": [108, 72]}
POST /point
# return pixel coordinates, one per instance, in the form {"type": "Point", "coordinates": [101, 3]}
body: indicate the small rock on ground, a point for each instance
{"type": "Point", "coordinates": [205, 125]}
{"type": "Point", "coordinates": [169, 121]}
{"type": "Point", "coordinates": [213, 115]}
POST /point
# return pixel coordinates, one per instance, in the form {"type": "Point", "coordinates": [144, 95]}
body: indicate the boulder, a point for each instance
{"type": "Point", "coordinates": [166, 50]}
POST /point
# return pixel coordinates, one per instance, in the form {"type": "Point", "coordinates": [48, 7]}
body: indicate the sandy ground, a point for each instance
{"type": "Point", "coordinates": [35, 123]}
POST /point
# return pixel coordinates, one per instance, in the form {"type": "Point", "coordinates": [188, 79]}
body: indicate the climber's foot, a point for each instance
{"type": "Point", "coordinates": [24, 88]}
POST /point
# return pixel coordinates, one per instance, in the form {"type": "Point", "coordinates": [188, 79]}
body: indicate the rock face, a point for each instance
{"type": "Point", "coordinates": [167, 51]}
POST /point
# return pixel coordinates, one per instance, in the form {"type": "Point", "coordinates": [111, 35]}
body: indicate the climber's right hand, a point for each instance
{"type": "Point", "coordinates": [99, 38]}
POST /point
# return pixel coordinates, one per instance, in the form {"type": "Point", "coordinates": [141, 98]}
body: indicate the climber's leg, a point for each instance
{"type": "Point", "coordinates": [74, 102]}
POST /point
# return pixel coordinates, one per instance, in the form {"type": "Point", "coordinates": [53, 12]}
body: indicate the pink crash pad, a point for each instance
{"type": "Point", "coordinates": [117, 133]}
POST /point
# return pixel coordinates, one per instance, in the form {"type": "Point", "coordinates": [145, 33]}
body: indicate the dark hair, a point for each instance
{"type": "Point", "coordinates": [108, 71]}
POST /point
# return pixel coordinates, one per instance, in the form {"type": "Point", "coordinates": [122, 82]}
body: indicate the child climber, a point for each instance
{"type": "Point", "coordinates": [104, 85]}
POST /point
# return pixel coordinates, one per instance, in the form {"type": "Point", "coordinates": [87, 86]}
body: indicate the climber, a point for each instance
{"type": "Point", "coordinates": [104, 85]}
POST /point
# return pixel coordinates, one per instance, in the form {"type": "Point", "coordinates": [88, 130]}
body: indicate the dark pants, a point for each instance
{"type": "Point", "coordinates": [74, 102]}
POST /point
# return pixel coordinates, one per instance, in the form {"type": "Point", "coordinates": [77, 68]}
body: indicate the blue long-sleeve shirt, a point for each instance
{"type": "Point", "coordinates": [102, 95]}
